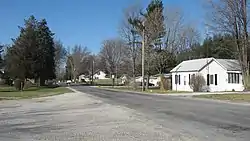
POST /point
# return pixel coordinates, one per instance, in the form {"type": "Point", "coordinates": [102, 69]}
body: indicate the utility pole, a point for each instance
{"type": "Point", "coordinates": [207, 46]}
{"type": "Point", "coordinates": [92, 74]}
{"type": "Point", "coordinates": [116, 75]}
{"type": "Point", "coordinates": [143, 56]}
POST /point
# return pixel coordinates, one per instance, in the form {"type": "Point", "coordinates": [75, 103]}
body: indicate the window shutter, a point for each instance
{"type": "Point", "coordinates": [189, 79]}
{"type": "Point", "coordinates": [208, 79]}
{"type": "Point", "coordinates": [179, 79]}
{"type": "Point", "coordinates": [215, 77]}
{"type": "Point", "coordinates": [238, 78]}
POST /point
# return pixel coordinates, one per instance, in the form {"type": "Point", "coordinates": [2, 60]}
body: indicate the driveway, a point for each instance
{"type": "Point", "coordinates": [76, 117]}
{"type": "Point", "coordinates": [101, 115]}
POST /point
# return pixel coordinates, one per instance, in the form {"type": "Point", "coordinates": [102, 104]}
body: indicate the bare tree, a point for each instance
{"type": "Point", "coordinates": [174, 23]}
{"type": "Point", "coordinates": [130, 36]}
{"type": "Point", "coordinates": [113, 51]}
{"type": "Point", "coordinates": [60, 56]}
{"type": "Point", "coordinates": [231, 16]}
{"type": "Point", "coordinates": [179, 35]}
{"type": "Point", "coordinates": [151, 28]}
{"type": "Point", "coordinates": [187, 37]}
{"type": "Point", "coordinates": [78, 57]}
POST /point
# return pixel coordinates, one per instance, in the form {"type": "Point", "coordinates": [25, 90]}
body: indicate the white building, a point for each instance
{"type": "Point", "coordinates": [124, 78]}
{"type": "Point", "coordinates": [100, 75]}
{"type": "Point", "coordinates": [219, 74]}
{"type": "Point", "coordinates": [82, 78]}
{"type": "Point", "coordinates": [154, 80]}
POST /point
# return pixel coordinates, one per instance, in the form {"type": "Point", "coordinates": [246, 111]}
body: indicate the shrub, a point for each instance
{"type": "Point", "coordinates": [132, 84]}
{"type": "Point", "coordinates": [2, 81]}
{"type": "Point", "coordinates": [197, 83]}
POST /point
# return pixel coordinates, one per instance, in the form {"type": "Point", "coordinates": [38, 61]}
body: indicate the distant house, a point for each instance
{"type": "Point", "coordinates": [82, 78]}
{"type": "Point", "coordinates": [124, 78]}
{"type": "Point", "coordinates": [153, 80]}
{"type": "Point", "coordinates": [219, 74]}
{"type": "Point", "coordinates": [100, 75]}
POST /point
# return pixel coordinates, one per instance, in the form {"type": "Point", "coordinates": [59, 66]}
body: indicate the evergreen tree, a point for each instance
{"type": "Point", "coordinates": [46, 52]}
{"type": "Point", "coordinates": [20, 57]}
{"type": "Point", "coordinates": [1, 59]}
{"type": "Point", "coordinates": [32, 54]}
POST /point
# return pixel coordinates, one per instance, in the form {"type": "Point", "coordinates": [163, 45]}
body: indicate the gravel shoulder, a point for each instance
{"type": "Point", "coordinates": [77, 116]}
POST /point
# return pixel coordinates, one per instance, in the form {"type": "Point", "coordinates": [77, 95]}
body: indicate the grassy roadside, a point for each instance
{"type": "Point", "coordinates": [33, 92]}
{"type": "Point", "coordinates": [228, 97]}
{"type": "Point", "coordinates": [106, 82]}
{"type": "Point", "coordinates": [149, 91]}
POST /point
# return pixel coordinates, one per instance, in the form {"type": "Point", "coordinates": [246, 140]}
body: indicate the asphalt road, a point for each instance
{"type": "Point", "coordinates": [197, 119]}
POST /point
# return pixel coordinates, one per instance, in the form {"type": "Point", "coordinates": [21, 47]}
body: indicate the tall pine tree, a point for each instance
{"type": "Point", "coordinates": [46, 52]}
{"type": "Point", "coordinates": [1, 59]}
{"type": "Point", "coordinates": [32, 54]}
{"type": "Point", "coordinates": [20, 57]}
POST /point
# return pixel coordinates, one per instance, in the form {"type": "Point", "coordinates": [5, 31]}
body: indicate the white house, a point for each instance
{"type": "Point", "coordinates": [220, 74]}
{"type": "Point", "coordinates": [82, 78]}
{"type": "Point", "coordinates": [155, 80]}
{"type": "Point", "coordinates": [124, 78]}
{"type": "Point", "coordinates": [100, 75]}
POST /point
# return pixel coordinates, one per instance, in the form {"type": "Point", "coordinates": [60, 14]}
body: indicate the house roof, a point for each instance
{"type": "Point", "coordinates": [199, 64]}
{"type": "Point", "coordinates": [165, 75]}
{"type": "Point", "coordinates": [230, 64]}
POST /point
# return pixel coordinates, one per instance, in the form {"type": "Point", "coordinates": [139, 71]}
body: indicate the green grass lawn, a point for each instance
{"type": "Point", "coordinates": [12, 93]}
{"type": "Point", "coordinates": [230, 97]}
{"type": "Point", "coordinates": [106, 81]}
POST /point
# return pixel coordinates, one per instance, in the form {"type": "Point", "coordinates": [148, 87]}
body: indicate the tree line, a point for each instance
{"type": "Point", "coordinates": [167, 38]}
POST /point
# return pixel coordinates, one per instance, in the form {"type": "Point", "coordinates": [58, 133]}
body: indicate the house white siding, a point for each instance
{"type": "Point", "coordinates": [236, 87]}
{"type": "Point", "coordinates": [182, 86]}
{"type": "Point", "coordinates": [100, 75]}
{"type": "Point", "coordinates": [222, 78]}
{"type": "Point", "coordinates": [213, 69]}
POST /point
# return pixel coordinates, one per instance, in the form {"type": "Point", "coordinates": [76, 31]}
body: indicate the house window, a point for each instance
{"type": "Point", "coordinates": [177, 79]}
{"type": "Point", "coordinates": [185, 80]}
{"type": "Point", "coordinates": [234, 78]}
{"type": "Point", "coordinates": [237, 78]}
{"type": "Point", "coordinates": [211, 79]}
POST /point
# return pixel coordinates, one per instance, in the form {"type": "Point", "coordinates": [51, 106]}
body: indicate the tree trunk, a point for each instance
{"type": "Point", "coordinates": [148, 77]}
{"type": "Point", "coordinates": [42, 81]}
{"type": "Point", "coordinates": [162, 83]}
{"type": "Point", "coordinates": [148, 73]}
{"type": "Point", "coordinates": [245, 56]}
